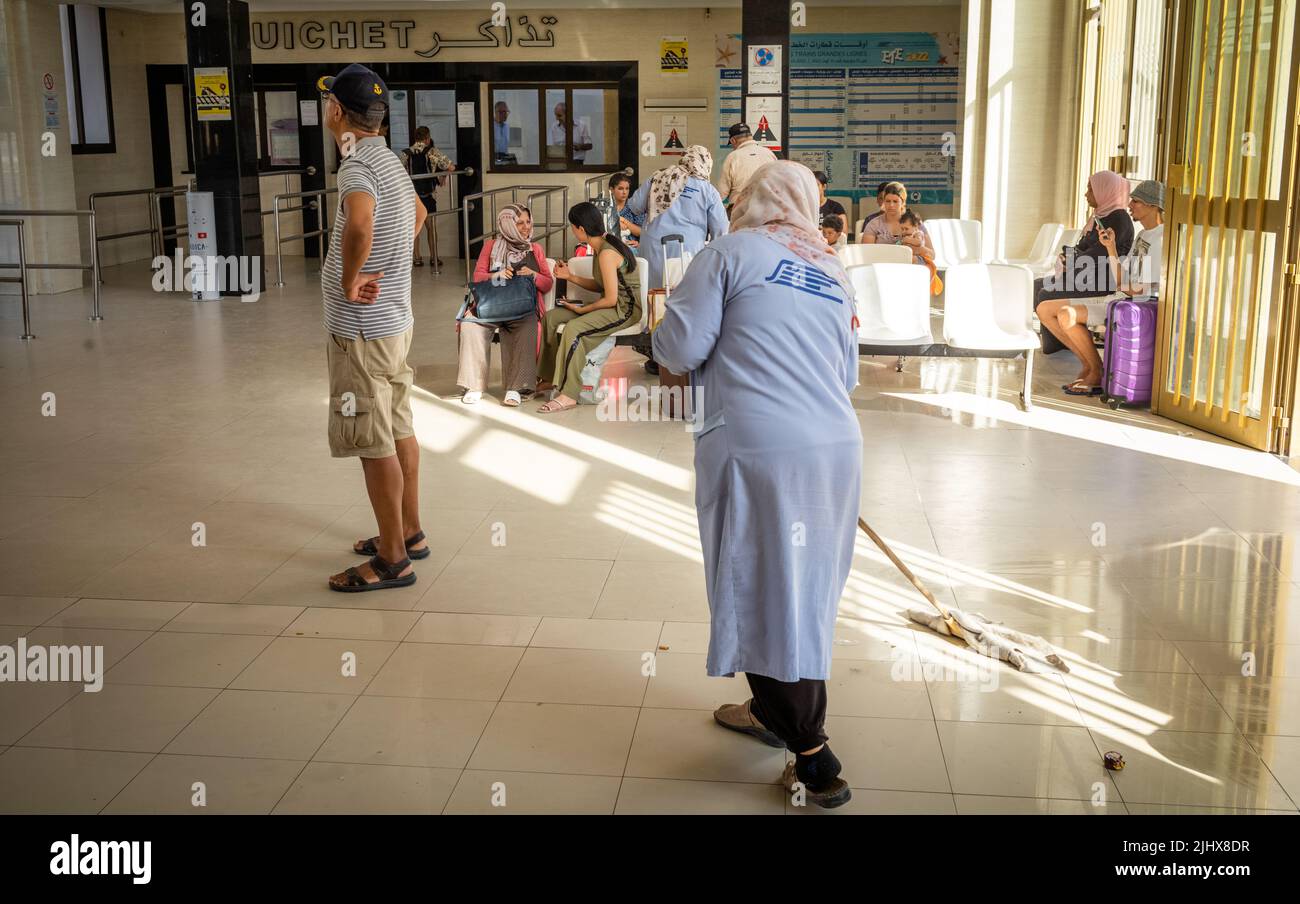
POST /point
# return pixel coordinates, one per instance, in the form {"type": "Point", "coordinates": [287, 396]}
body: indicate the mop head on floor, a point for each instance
{"type": "Point", "coordinates": [992, 639]}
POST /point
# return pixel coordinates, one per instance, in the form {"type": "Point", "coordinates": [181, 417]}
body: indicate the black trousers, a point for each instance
{"type": "Point", "coordinates": [794, 711]}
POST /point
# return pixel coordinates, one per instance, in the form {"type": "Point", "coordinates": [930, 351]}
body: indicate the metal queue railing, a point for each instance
{"type": "Point", "coordinates": [169, 232]}
{"type": "Point", "coordinates": [21, 278]}
{"type": "Point", "coordinates": [490, 221]}
{"type": "Point", "coordinates": [18, 218]}
{"type": "Point", "coordinates": [324, 230]}
{"type": "Point", "coordinates": [313, 205]}
{"type": "Point", "coordinates": [454, 188]}
{"type": "Point", "coordinates": [602, 179]}
{"type": "Point", "coordinates": [151, 231]}
{"type": "Point", "coordinates": [551, 227]}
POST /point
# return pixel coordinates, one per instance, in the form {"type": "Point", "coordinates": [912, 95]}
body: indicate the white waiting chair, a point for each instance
{"type": "Point", "coordinates": [893, 304]}
{"type": "Point", "coordinates": [862, 255]}
{"type": "Point", "coordinates": [989, 307]}
{"type": "Point", "coordinates": [548, 297]}
{"type": "Point", "coordinates": [1070, 237]}
{"type": "Point", "coordinates": [1042, 254]}
{"type": "Point", "coordinates": [956, 242]}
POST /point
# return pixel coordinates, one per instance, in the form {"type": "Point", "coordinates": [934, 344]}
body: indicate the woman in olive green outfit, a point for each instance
{"type": "Point", "coordinates": [587, 325]}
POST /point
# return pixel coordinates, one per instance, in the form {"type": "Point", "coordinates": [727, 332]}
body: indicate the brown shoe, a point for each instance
{"type": "Point", "coordinates": [836, 794]}
{"type": "Point", "coordinates": [738, 717]}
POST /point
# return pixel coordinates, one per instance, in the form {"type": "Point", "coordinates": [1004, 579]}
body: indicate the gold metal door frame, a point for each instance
{"type": "Point", "coordinates": [1226, 203]}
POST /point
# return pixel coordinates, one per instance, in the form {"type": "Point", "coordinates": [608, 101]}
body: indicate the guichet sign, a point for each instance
{"type": "Point", "coordinates": [381, 34]}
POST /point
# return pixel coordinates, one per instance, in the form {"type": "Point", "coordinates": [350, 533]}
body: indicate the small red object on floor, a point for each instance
{"type": "Point", "coordinates": [1114, 760]}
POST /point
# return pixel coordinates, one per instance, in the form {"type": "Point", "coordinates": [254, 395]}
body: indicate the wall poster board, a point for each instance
{"type": "Point", "coordinates": [866, 108]}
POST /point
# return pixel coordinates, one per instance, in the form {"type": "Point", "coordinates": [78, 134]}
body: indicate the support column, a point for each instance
{"type": "Point", "coordinates": [225, 142]}
{"type": "Point", "coordinates": [765, 26]}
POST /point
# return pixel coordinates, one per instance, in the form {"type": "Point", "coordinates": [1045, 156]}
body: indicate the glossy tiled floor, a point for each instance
{"type": "Point", "coordinates": [565, 563]}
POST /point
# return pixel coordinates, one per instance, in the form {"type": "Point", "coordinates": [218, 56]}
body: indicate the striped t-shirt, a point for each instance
{"type": "Point", "coordinates": [373, 168]}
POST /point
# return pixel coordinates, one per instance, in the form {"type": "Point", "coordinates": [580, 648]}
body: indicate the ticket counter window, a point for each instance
{"type": "Point", "coordinates": [577, 126]}
{"type": "Point", "coordinates": [514, 130]}
{"type": "Point", "coordinates": [277, 129]}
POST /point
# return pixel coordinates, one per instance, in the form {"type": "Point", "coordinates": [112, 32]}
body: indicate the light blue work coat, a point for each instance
{"type": "Point", "coordinates": [772, 349]}
{"type": "Point", "coordinates": [696, 213]}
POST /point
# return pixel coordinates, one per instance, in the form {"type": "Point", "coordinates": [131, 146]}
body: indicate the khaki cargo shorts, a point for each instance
{"type": "Point", "coordinates": [370, 395]}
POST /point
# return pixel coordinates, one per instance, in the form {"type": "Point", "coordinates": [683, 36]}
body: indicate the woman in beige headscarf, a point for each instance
{"type": "Point", "coordinates": [678, 200]}
{"type": "Point", "coordinates": [764, 322]}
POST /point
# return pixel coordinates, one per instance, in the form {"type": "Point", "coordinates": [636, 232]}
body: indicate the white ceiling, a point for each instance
{"type": "Point", "coordinates": [356, 8]}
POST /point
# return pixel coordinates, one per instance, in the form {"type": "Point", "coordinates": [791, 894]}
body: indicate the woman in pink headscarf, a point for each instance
{"type": "Point", "coordinates": [763, 322]}
{"type": "Point", "coordinates": [1084, 271]}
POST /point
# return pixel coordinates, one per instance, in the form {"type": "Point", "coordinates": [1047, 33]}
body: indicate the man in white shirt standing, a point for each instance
{"type": "Point", "coordinates": [581, 134]}
{"type": "Point", "coordinates": [744, 160]}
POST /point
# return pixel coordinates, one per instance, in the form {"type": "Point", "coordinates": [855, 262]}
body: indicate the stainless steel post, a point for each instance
{"type": "Point", "coordinates": [95, 313]}
{"type": "Point", "coordinates": [279, 262]}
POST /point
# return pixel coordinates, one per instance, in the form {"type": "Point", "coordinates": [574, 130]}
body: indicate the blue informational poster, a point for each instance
{"type": "Point", "coordinates": [867, 108]}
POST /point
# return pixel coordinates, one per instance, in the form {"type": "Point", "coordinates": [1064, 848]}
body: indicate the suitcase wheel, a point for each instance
{"type": "Point", "coordinates": [1114, 404]}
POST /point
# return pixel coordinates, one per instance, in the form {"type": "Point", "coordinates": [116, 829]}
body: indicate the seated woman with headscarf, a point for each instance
{"type": "Point", "coordinates": [512, 254]}
{"type": "Point", "coordinates": [763, 321]}
{"type": "Point", "coordinates": [1084, 270]}
{"type": "Point", "coordinates": [678, 200]}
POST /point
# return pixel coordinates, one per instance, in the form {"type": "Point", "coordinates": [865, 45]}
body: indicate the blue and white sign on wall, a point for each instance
{"type": "Point", "coordinates": [765, 69]}
{"type": "Point", "coordinates": [866, 108]}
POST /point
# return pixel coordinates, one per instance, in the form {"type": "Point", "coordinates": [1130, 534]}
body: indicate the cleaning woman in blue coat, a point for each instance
{"type": "Point", "coordinates": [678, 200]}
{"type": "Point", "coordinates": [763, 322]}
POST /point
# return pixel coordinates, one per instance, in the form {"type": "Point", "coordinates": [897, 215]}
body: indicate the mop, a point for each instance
{"type": "Point", "coordinates": [985, 637]}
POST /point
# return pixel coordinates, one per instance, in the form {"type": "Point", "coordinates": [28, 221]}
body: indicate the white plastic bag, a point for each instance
{"type": "Point", "coordinates": [592, 392]}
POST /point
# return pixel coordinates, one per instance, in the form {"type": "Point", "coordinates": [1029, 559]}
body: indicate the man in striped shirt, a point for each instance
{"type": "Point", "coordinates": [366, 287]}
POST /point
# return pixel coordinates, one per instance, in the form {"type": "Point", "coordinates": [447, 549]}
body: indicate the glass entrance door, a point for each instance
{"type": "Point", "coordinates": [1223, 324]}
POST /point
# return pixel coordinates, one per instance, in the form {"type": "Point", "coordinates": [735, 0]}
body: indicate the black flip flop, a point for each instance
{"type": "Point", "coordinates": [1078, 388]}
{"type": "Point", "coordinates": [389, 574]}
{"type": "Point", "coordinates": [371, 547]}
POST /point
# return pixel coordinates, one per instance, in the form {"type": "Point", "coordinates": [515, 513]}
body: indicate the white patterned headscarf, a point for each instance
{"type": "Point", "coordinates": [781, 201]}
{"type": "Point", "coordinates": [668, 183]}
{"type": "Point", "coordinates": [511, 246]}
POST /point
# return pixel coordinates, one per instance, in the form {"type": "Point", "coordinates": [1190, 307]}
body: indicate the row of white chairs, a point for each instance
{"type": "Point", "coordinates": [962, 242]}
{"type": "Point", "coordinates": [987, 312]}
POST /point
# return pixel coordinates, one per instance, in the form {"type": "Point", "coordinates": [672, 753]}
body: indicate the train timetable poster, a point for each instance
{"type": "Point", "coordinates": [866, 108]}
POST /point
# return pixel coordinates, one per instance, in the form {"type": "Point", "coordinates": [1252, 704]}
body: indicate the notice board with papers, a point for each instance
{"type": "Point", "coordinates": [866, 108]}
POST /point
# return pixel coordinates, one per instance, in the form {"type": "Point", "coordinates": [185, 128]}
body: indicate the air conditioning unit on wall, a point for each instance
{"type": "Point", "coordinates": [664, 104]}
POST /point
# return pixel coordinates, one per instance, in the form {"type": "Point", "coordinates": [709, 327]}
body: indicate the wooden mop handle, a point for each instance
{"type": "Point", "coordinates": [907, 572]}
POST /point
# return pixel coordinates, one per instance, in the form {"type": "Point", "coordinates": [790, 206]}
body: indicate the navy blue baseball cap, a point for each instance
{"type": "Point", "coordinates": [356, 88]}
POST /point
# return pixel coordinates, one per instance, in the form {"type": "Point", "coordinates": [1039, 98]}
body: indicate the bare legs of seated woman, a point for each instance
{"type": "Point", "coordinates": [1068, 323]}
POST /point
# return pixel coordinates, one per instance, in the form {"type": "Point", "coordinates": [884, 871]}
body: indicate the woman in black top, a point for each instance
{"type": "Point", "coordinates": [423, 158]}
{"type": "Point", "coordinates": [830, 208]}
{"type": "Point", "coordinates": [1083, 271]}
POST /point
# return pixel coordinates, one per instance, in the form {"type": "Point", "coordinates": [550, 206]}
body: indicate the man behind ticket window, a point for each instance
{"type": "Point", "coordinates": [581, 134]}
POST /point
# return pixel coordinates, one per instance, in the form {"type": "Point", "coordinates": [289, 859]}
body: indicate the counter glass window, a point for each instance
{"type": "Point", "coordinates": [575, 127]}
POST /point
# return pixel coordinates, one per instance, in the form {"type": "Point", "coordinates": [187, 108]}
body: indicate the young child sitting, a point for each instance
{"type": "Point", "coordinates": [910, 229]}
{"type": "Point", "coordinates": [833, 231]}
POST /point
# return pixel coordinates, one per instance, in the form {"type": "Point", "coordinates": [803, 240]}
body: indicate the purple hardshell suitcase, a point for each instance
{"type": "Point", "coordinates": [1128, 364]}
